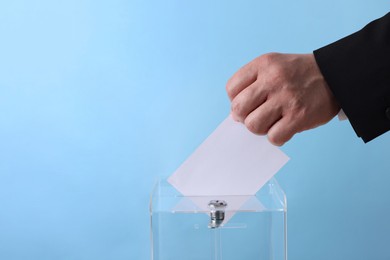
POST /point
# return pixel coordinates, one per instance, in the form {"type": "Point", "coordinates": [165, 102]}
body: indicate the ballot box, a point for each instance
{"type": "Point", "coordinates": [218, 227]}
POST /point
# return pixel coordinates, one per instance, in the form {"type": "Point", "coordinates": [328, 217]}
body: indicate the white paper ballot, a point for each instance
{"type": "Point", "coordinates": [231, 161]}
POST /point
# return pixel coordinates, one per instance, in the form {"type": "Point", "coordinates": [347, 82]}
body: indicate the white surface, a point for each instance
{"type": "Point", "coordinates": [231, 161]}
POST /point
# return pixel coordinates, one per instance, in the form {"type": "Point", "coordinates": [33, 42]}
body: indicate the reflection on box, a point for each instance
{"type": "Point", "coordinates": [253, 227]}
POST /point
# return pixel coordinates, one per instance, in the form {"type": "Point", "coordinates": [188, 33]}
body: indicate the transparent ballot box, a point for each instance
{"type": "Point", "coordinates": [218, 227]}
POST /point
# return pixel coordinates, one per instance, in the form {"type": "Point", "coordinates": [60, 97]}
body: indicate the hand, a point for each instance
{"type": "Point", "coordinates": [281, 95]}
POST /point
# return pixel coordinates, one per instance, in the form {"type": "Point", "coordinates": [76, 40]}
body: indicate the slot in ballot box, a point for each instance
{"type": "Point", "coordinates": [218, 227]}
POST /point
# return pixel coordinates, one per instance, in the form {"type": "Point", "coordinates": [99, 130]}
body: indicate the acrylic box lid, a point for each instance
{"type": "Point", "coordinates": [165, 198]}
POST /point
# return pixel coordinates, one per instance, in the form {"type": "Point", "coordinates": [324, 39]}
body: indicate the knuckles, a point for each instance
{"type": "Point", "coordinates": [253, 126]}
{"type": "Point", "coordinates": [276, 139]}
{"type": "Point", "coordinates": [271, 62]}
{"type": "Point", "coordinates": [275, 78]}
{"type": "Point", "coordinates": [276, 73]}
{"type": "Point", "coordinates": [229, 88]}
{"type": "Point", "coordinates": [236, 107]}
{"type": "Point", "coordinates": [268, 58]}
{"type": "Point", "coordinates": [275, 142]}
{"type": "Point", "coordinates": [237, 110]}
{"type": "Point", "coordinates": [281, 135]}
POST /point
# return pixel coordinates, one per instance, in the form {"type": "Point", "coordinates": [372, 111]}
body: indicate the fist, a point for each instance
{"type": "Point", "coordinates": [280, 95]}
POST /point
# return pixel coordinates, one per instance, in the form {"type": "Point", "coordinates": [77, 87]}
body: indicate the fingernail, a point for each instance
{"type": "Point", "coordinates": [234, 118]}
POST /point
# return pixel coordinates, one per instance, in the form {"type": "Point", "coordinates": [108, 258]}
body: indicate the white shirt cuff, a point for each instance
{"type": "Point", "coordinates": [342, 116]}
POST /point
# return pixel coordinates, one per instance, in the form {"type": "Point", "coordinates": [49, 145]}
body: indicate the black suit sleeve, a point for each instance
{"type": "Point", "coordinates": [357, 69]}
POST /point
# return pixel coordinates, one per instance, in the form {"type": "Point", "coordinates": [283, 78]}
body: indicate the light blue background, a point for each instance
{"type": "Point", "coordinates": [98, 98]}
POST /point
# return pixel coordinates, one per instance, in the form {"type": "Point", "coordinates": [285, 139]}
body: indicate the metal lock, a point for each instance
{"type": "Point", "coordinates": [217, 213]}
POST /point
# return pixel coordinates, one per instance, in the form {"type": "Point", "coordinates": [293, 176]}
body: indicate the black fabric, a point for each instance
{"type": "Point", "coordinates": [357, 69]}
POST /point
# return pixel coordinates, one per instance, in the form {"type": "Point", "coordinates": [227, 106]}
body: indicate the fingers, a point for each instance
{"type": "Point", "coordinates": [247, 101]}
{"type": "Point", "coordinates": [268, 119]}
{"type": "Point", "coordinates": [280, 95]}
{"type": "Point", "coordinates": [283, 130]}
{"type": "Point", "coordinates": [263, 118]}
{"type": "Point", "coordinates": [241, 79]}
